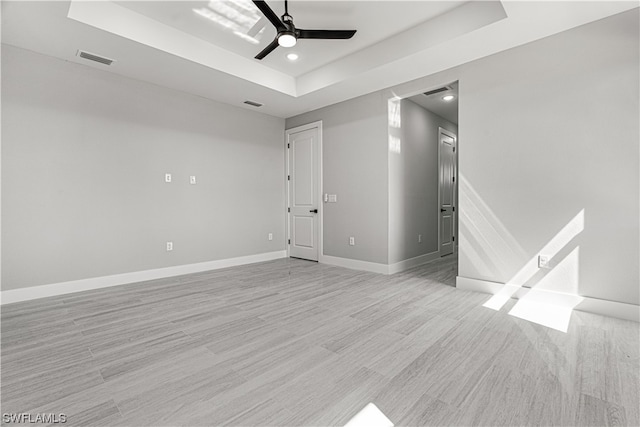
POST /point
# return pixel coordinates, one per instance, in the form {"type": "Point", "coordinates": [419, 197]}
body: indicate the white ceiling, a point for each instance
{"type": "Point", "coordinates": [168, 44]}
{"type": "Point", "coordinates": [437, 105]}
{"type": "Point", "coordinates": [365, 17]}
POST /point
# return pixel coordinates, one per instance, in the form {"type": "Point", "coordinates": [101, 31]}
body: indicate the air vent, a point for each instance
{"type": "Point", "coordinates": [433, 92]}
{"type": "Point", "coordinates": [94, 57]}
{"type": "Point", "coordinates": [253, 104]}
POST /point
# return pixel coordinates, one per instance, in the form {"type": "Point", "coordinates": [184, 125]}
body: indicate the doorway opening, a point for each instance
{"type": "Point", "coordinates": [423, 185]}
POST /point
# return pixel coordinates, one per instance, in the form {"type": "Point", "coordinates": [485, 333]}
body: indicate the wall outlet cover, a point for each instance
{"type": "Point", "coordinates": [543, 261]}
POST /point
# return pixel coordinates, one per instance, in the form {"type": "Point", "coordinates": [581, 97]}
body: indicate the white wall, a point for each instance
{"type": "Point", "coordinates": [84, 153]}
{"type": "Point", "coordinates": [548, 132]}
{"type": "Point", "coordinates": [355, 169]}
{"type": "Point", "coordinates": [413, 183]}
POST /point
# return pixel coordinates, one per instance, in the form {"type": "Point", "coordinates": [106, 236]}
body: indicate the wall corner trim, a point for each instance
{"type": "Point", "coordinates": [609, 308]}
{"type": "Point", "coordinates": [43, 291]}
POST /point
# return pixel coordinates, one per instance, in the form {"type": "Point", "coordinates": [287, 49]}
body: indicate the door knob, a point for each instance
{"type": "Point", "coordinates": [442, 210]}
{"type": "Point", "coordinates": [314, 211]}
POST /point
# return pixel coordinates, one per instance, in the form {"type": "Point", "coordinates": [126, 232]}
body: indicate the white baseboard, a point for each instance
{"type": "Point", "coordinates": [615, 309]}
{"type": "Point", "coordinates": [43, 291]}
{"type": "Point", "coordinates": [413, 262]}
{"type": "Point", "coordinates": [355, 264]}
{"type": "Point", "coordinates": [375, 267]}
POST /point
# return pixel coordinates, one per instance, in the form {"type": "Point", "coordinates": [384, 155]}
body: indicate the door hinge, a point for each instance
{"type": "Point", "coordinates": [453, 238]}
{"type": "Point", "coordinates": [454, 208]}
{"type": "Point", "coordinates": [288, 209]}
{"type": "Point", "coordinates": [454, 179]}
{"type": "Point", "coordinates": [454, 149]}
{"type": "Point", "coordinates": [288, 145]}
{"type": "Point", "coordinates": [288, 177]}
{"type": "Point", "coordinates": [289, 242]}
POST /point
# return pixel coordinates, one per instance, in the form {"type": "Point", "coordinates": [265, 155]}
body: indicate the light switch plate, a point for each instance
{"type": "Point", "coordinates": [192, 179]}
{"type": "Point", "coordinates": [333, 198]}
{"type": "Point", "coordinates": [167, 177]}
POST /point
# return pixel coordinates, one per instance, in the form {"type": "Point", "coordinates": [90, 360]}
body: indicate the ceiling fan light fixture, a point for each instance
{"type": "Point", "coordinates": [287, 34]}
{"type": "Point", "coordinates": [287, 39]}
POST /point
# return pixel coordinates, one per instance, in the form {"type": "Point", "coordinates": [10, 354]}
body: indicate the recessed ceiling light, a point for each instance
{"type": "Point", "coordinates": [292, 56]}
{"type": "Point", "coordinates": [448, 98]}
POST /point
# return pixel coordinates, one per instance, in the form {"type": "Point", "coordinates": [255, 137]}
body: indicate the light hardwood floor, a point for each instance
{"type": "Point", "coordinates": [293, 343]}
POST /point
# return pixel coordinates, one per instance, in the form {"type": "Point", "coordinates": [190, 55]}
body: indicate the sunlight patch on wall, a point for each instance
{"type": "Point", "coordinates": [394, 112]}
{"type": "Point", "coordinates": [395, 144]}
{"type": "Point", "coordinates": [543, 304]}
{"type": "Point", "coordinates": [394, 121]}
{"type": "Point", "coordinates": [563, 277]}
{"type": "Point", "coordinates": [574, 227]}
{"type": "Point", "coordinates": [547, 296]}
{"type": "Point", "coordinates": [496, 249]}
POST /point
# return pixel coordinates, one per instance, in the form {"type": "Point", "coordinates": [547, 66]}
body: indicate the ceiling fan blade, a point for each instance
{"type": "Point", "coordinates": [325, 34]}
{"type": "Point", "coordinates": [267, 50]}
{"type": "Point", "coordinates": [269, 14]}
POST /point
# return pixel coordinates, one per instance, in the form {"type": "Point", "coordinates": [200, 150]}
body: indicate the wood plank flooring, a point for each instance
{"type": "Point", "coordinates": [296, 343]}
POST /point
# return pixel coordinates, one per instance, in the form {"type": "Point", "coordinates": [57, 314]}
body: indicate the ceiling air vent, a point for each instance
{"type": "Point", "coordinates": [253, 104]}
{"type": "Point", "coordinates": [94, 57]}
{"type": "Point", "coordinates": [441, 89]}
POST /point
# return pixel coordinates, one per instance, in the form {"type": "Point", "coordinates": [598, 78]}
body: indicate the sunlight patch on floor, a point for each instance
{"type": "Point", "coordinates": [551, 316]}
{"type": "Point", "coordinates": [369, 416]}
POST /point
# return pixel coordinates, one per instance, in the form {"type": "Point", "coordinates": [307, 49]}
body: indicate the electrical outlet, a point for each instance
{"type": "Point", "coordinates": [543, 261]}
{"type": "Point", "coordinates": [352, 241]}
{"type": "Point", "coordinates": [192, 180]}
{"type": "Point", "coordinates": [270, 236]}
{"type": "Point", "coordinates": [167, 177]}
{"type": "Point", "coordinates": [169, 246]}
{"type": "Point", "coordinates": [419, 238]}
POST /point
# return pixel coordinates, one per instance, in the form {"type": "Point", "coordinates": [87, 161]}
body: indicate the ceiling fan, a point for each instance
{"type": "Point", "coordinates": [287, 34]}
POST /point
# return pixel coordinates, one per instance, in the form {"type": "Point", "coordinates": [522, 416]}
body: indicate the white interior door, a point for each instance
{"type": "Point", "coordinates": [447, 176]}
{"type": "Point", "coordinates": [304, 193]}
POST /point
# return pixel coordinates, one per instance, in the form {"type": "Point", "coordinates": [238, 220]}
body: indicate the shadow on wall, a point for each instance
{"type": "Point", "coordinates": [547, 295]}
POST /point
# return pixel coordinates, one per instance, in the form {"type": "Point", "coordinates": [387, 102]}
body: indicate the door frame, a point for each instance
{"type": "Point", "coordinates": [443, 131]}
{"type": "Point", "coordinates": [287, 185]}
